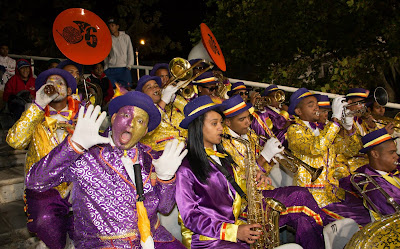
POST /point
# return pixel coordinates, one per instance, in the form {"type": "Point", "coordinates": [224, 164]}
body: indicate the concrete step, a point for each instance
{"type": "Point", "coordinates": [13, 230]}
{"type": "Point", "coordinates": [10, 157]}
{"type": "Point", "coordinates": [11, 184]}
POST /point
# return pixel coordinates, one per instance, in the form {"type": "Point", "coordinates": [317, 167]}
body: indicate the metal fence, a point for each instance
{"type": "Point", "coordinates": [147, 69]}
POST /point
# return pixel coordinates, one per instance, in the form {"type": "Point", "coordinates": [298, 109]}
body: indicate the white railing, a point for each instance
{"type": "Point", "coordinates": [246, 82]}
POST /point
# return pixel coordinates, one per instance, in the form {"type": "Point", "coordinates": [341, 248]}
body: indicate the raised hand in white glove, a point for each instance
{"type": "Point", "coordinates": [271, 148]}
{"type": "Point", "coordinates": [86, 133]}
{"type": "Point", "coordinates": [338, 105]}
{"type": "Point", "coordinates": [42, 99]}
{"type": "Point", "coordinates": [170, 160]}
{"type": "Point", "coordinates": [168, 93]}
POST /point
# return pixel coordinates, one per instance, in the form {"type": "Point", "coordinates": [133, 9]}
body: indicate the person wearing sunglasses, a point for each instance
{"type": "Point", "coordinates": [207, 85]}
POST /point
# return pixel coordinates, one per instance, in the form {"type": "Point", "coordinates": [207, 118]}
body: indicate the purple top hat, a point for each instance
{"type": "Point", "coordinates": [42, 78]}
{"type": "Point", "coordinates": [374, 138]}
{"type": "Point", "coordinates": [323, 101]}
{"type": "Point", "coordinates": [270, 89]}
{"type": "Point", "coordinates": [296, 97]}
{"type": "Point", "coordinates": [158, 66]}
{"type": "Point", "coordinates": [196, 108]}
{"type": "Point", "coordinates": [237, 86]}
{"type": "Point", "coordinates": [235, 105]}
{"type": "Point", "coordinates": [205, 78]}
{"type": "Point", "coordinates": [62, 64]}
{"type": "Point", "coordinates": [146, 78]}
{"type": "Point", "coordinates": [138, 99]}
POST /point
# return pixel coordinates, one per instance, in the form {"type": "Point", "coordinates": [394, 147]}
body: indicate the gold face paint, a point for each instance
{"type": "Point", "coordinates": [129, 125]}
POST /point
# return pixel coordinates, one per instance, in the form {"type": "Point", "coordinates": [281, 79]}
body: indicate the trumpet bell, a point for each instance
{"type": "Point", "coordinates": [381, 96]}
{"type": "Point", "coordinates": [179, 68]}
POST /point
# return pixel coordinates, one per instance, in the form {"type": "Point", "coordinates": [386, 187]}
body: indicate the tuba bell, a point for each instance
{"type": "Point", "coordinates": [382, 233]}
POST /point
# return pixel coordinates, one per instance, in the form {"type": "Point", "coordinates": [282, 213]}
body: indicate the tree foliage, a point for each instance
{"type": "Point", "coordinates": [328, 45]}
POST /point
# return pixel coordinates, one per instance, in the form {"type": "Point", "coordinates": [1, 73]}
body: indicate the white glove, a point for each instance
{"type": "Point", "coordinates": [170, 160]}
{"type": "Point", "coordinates": [42, 99]}
{"type": "Point", "coordinates": [271, 148]}
{"type": "Point", "coordinates": [347, 122]}
{"type": "Point", "coordinates": [338, 105]}
{"type": "Point", "coordinates": [168, 93]}
{"type": "Point", "coordinates": [86, 132]}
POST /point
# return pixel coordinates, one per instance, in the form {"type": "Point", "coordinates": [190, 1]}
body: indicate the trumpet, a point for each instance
{"type": "Point", "coordinates": [386, 120]}
{"type": "Point", "coordinates": [292, 163]}
{"type": "Point", "coordinates": [278, 96]}
{"type": "Point", "coordinates": [380, 96]}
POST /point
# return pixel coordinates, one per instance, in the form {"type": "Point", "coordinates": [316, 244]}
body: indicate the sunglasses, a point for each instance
{"type": "Point", "coordinates": [211, 89]}
{"type": "Point", "coordinates": [243, 93]}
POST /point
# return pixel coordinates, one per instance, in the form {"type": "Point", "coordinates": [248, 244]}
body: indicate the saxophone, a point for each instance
{"type": "Point", "coordinates": [267, 217]}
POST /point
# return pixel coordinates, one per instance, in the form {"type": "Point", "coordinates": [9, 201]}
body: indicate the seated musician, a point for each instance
{"type": "Point", "coordinates": [44, 125]}
{"type": "Point", "coordinates": [317, 147]}
{"type": "Point", "coordinates": [239, 88]}
{"type": "Point", "coordinates": [211, 205]}
{"type": "Point", "coordinates": [161, 70]}
{"type": "Point", "coordinates": [324, 109]}
{"type": "Point", "coordinates": [272, 118]}
{"type": "Point", "coordinates": [383, 168]}
{"type": "Point", "coordinates": [170, 117]}
{"type": "Point", "coordinates": [113, 208]}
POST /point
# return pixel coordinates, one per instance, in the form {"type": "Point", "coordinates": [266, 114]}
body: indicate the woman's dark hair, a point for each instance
{"type": "Point", "coordinates": [196, 154]}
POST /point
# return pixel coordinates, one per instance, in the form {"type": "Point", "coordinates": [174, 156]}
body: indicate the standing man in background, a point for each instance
{"type": "Point", "coordinates": [8, 63]}
{"type": "Point", "coordinates": [119, 62]}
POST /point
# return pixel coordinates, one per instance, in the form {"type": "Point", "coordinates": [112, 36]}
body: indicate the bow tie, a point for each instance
{"type": "Point", "coordinates": [394, 173]}
{"type": "Point", "coordinates": [212, 152]}
{"type": "Point", "coordinates": [131, 153]}
{"type": "Point", "coordinates": [65, 114]}
{"type": "Point", "coordinates": [315, 125]}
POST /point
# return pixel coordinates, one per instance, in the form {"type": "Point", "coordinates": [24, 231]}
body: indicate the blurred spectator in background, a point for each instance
{"type": "Point", "coordinates": [8, 63]}
{"type": "Point", "coordinates": [99, 78]}
{"type": "Point", "coordinates": [53, 63]}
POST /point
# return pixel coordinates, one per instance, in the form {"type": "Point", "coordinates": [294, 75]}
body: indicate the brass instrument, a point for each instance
{"type": "Point", "coordinates": [380, 96]}
{"type": "Point", "coordinates": [279, 96]}
{"type": "Point", "coordinates": [386, 120]}
{"type": "Point", "coordinates": [181, 70]}
{"type": "Point", "coordinates": [256, 214]}
{"type": "Point", "coordinates": [91, 93]}
{"type": "Point", "coordinates": [383, 233]}
{"type": "Point", "coordinates": [292, 163]}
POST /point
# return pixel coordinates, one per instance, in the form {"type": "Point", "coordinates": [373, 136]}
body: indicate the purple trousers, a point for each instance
{"type": "Point", "coordinates": [49, 217]}
{"type": "Point", "coordinates": [303, 214]}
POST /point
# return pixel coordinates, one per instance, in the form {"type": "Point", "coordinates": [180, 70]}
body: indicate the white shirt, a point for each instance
{"type": "Point", "coordinates": [128, 163]}
{"type": "Point", "coordinates": [316, 131]}
{"type": "Point", "coordinates": [9, 64]}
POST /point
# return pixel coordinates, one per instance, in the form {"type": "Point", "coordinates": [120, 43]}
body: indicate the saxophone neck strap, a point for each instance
{"type": "Point", "coordinates": [229, 177]}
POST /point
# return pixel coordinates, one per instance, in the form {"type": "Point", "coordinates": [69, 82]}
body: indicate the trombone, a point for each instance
{"type": "Point", "coordinates": [181, 70]}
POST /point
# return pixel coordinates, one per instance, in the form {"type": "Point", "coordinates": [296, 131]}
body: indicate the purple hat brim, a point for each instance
{"type": "Point", "coordinates": [231, 92]}
{"type": "Point", "coordinates": [187, 120]}
{"type": "Point", "coordinates": [140, 85]}
{"type": "Point", "coordinates": [365, 150]}
{"type": "Point", "coordinates": [248, 106]}
{"type": "Point", "coordinates": [292, 106]}
{"type": "Point", "coordinates": [67, 76]}
{"type": "Point", "coordinates": [138, 99]}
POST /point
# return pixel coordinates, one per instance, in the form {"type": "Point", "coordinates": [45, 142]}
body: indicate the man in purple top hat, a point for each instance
{"type": "Point", "coordinates": [271, 119]}
{"type": "Point", "coordinates": [118, 185]}
{"type": "Point", "coordinates": [324, 109]}
{"type": "Point", "coordinates": [384, 169]}
{"type": "Point", "coordinates": [45, 124]}
{"type": "Point", "coordinates": [239, 88]}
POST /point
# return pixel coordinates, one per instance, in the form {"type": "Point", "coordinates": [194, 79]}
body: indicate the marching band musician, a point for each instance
{"type": "Point", "coordinates": [324, 109]}
{"type": "Point", "coordinates": [161, 70]}
{"type": "Point", "coordinates": [272, 118]}
{"type": "Point", "coordinates": [209, 201]}
{"type": "Point", "coordinates": [239, 88]}
{"type": "Point", "coordinates": [170, 116]}
{"type": "Point", "coordinates": [383, 167]}
{"type": "Point", "coordinates": [119, 184]}
{"type": "Point", "coordinates": [43, 126]}
{"type": "Point", "coordinates": [206, 84]}
{"type": "Point", "coordinates": [317, 147]}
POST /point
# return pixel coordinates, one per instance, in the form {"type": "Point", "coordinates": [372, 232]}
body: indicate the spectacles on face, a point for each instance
{"type": "Point", "coordinates": [243, 93]}
{"type": "Point", "coordinates": [211, 89]}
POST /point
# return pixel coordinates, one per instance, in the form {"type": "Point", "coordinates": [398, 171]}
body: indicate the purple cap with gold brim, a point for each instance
{"type": "Point", "coordinates": [357, 93]}
{"type": "Point", "coordinates": [324, 102]}
{"type": "Point", "coordinates": [296, 97]}
{"type": "Point", "coordinates": [270, 89]}
{"type": "Point", "coordinates": [237, 86]}
{"type": "Point", "coordinates": [374, 138]}
{"type": "Point", "coordinates": [235, 105]}
{"type": "Point", "coordinates": [198, 107]}
{"type": "Point", "coordinates": [205, 78]}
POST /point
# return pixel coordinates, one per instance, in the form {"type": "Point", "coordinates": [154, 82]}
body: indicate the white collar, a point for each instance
{"type": "Point", "coordinates": [234, 134]}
